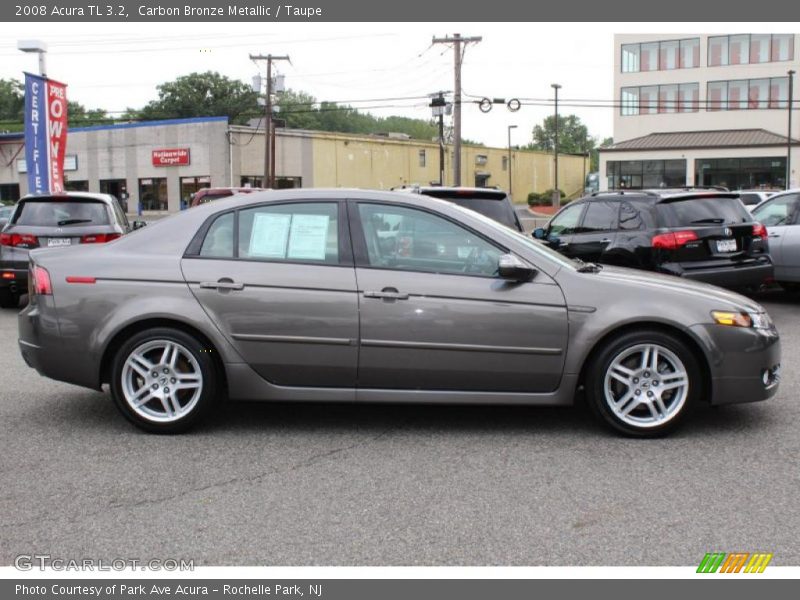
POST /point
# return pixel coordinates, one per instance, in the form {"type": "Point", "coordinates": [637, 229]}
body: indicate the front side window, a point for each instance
{"type": "Point", "coordinates": [567, 222]}
{"type": "Point", "coordinates": [303, 232]}
{"type": "Point", "coordinates": [599, 216]}
{"type": "Point", "coordinates": [408, 239]}
{"type": "Point", "coordinates": [778, 211]}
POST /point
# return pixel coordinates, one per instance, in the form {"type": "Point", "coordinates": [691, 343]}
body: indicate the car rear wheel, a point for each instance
{"type": "Point", "coordinates": [8, 299]}
{"type": "Point", "coordinates": [163, 380]}
{"type": "Point", "coordinates": [643, 383]}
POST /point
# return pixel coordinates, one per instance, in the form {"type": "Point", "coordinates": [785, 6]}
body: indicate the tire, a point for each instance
{"type": "Point", "coordinates": [626, 393]}
{"type": "Point", "coordinates": [161, 408]}
{"type": "Point", "coordinates": [8, 299]}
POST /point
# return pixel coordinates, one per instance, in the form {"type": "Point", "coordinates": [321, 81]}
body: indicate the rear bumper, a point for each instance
{"type": "Point", "coordinates": [14, 279]}
{"type": "Point", "coordinates": [747, 274]}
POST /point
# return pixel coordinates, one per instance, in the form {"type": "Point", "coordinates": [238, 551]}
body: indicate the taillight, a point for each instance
{"type": "Point", "coordinates": [673, 240]}
{"type": "Point", "coordinates": [41, 281]}
{"type": "Point", "coordinates": [19, 240]}
{"type": "Point", "coordinates": [99, 238]}
{"type": "Point", "coordinates": [759, 230]}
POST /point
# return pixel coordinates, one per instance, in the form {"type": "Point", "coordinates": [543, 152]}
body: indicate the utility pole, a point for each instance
{"type": "Point", "coordinates": [789, 132]}
{"type": "Point", "coordinates": [510, 193]}
{"type": "Point", "coordinates": [269, 168]}
{"type": "Point", "coordinates": [556, 193]}
{"type": "Point", "coordinates": [457, 40]}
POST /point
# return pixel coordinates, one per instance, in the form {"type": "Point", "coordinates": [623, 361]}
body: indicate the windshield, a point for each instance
{"type": "Point", "coordinates": [710, 210]}
{"type": "Point", "coordinates": [535, 246]}
{"type": "Point", "coordinates": [47, 212]}
{"type": "Point", "coordinates": [490, 203]}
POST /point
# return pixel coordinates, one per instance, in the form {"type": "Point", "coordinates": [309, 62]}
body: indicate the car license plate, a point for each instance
{"type": "Point", "coordinates": [59, 242]}
{"type": "Point", "coordinates": [726, 246]}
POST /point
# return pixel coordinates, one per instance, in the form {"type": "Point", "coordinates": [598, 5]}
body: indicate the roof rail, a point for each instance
{"type": "Point", "coordinates": [624, 192]}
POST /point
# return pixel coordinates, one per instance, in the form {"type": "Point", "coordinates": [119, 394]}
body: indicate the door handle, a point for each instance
{"type": "Point", "coordinates": [221, 285]}
{"type": "Point", "coordinates": [605, 241]}
{"type": "Point", "coordinates": [774, 235]}
{"type": "Point", "coordinates": [387, 294]}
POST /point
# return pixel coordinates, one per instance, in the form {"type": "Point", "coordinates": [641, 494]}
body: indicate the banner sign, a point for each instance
{"type": "Point", "coordinates": [170, 157]}
{"type": "Point", "coordinates": [45, 133]}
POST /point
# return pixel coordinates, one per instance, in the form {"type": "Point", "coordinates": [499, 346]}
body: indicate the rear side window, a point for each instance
{"type": "Point", "coordinates": [599, 216]}
{"type": "Point", "coordinates": [218, 242]}
{"type": "Point", "coordinates": [60, 213]}
{"type": "Point", "coordinates": [702, 211]}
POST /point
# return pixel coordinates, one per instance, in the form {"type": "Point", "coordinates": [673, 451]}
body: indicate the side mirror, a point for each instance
{"type": "Point", "coordinates": [539, 233]}
{"type": "Point", "coordinates": [512, 268]}
{"type": "Point", "coordinates": [139, 224]}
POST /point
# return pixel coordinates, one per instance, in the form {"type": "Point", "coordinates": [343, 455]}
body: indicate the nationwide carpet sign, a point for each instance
{"type": "Point", "coordinates": [45, 133]}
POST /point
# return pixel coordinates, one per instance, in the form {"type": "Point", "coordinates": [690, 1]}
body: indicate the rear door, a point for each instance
{"type": "Point", "coordinates": [780, 216]}
{"type": "Point", "coordinates": [278, 281]}
{"type": "Point", "coordinates": [710, 229]}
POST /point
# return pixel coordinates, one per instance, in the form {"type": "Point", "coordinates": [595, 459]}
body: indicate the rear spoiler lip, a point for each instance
{"type": "Point", "coordinates": [697, 196]}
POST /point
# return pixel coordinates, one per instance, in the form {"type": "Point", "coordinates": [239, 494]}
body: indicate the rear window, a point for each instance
{"type": "Point", "coordinates": [750, 199]}
{"type": "Point", "coordinates": [62, 213]}
{"type": "Point", "coordinates": [215, 196]}
{"type": "Point", "coordinates": [702, 211]}
{"type": "Point", "coordinates": [489, 203]}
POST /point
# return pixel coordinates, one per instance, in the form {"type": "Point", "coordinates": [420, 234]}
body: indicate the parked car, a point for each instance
{"type": "Point", "coordinates": [493, 203]}
{"type": "Point", "coordinates": [706, 236]}
{"type": "Point", "coordinates": [781, 216]}
{"type": "Point", "coordinates": [210, 194]}
{"type": "Point", "coordinates": [341, 295]}
{"type": "Point", "coordinates": [52, 221]}
{"type": "Point", "coordinates": [752, 198]}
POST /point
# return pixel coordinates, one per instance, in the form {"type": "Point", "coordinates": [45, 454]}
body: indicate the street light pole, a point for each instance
{"type": "Point", "coordinates": [40, 48]}
{"type": "Point", "coordinates": [556, 194]}
{"type": "Point", "coordinates": [789, 132]}
{"type": "Point", "coordinates": [510, 194]}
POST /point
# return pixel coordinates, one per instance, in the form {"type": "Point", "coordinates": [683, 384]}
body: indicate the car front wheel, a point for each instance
{"type": "Point", "coordinates": [643, 383]}
{"type": "Point", "coordinates": [163, 380]}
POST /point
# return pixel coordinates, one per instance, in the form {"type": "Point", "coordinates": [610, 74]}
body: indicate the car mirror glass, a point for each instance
{"type": "Point", "coordinates": [539, 233]}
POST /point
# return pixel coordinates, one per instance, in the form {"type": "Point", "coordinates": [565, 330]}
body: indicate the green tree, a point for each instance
{"type": "Point", "coordinates": [12, 100]}
{"type": "Point", "coordinates": [573, 135]}
{"type": "Point", "coordinates": [206, 94]}
{"type": "Point", "coordinates": [595, 153]}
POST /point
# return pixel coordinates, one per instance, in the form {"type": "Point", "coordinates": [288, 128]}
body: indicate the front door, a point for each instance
{"type": "Point", "coordinates": [435, 316]}
{"type": "Point", "coordinates": [780, 215]}
{"type": "Point", "coordinates": [278, 280]}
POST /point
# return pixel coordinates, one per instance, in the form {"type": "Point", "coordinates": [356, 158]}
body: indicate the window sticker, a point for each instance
{"type": "Point", "coordinates": [269, 235]}
{"type": "Point", "coordinates": [308, 237]}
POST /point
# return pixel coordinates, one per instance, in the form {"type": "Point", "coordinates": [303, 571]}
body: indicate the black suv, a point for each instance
{"type": "Point", "coordinates": [491, 203]}
{"type": "Point", "coordinates": [706, 236]}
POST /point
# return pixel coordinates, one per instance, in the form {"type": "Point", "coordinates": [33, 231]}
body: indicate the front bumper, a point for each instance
{"type": "Point", "coordinates": [747, 274]}
{"type": "Point", "coordinates": [738, 361]}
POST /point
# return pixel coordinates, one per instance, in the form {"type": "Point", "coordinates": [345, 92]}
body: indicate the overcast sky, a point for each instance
{"type": "Point", "coordinates": [388, 66]}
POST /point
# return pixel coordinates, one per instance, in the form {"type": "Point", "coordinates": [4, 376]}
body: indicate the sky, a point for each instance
{"type": "Point", "coordinates": [382, 68]}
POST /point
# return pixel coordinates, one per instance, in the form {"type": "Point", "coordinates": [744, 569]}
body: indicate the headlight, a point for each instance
{"type": "Point", "coordinates": [756, 320]}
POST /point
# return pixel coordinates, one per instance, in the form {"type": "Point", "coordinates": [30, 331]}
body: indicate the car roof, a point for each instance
{"type": "Point", "coordinates": [108, 198]}
{"type": "Point", "coordinates": [421, 189]}
{"type": "Point", "coordinates": [667, 195]}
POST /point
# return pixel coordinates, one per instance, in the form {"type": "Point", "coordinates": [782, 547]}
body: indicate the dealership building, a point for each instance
{"type": "Point", "coordinates": [158, 165]}
{"type": "Point", "coordinates": [703, 110]}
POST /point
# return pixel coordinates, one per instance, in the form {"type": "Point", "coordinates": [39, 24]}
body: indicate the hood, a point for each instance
{"type": "Point", "coordinates": [676, 286]}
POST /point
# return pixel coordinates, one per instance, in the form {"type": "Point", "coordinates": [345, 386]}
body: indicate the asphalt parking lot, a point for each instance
{"type": "Point", "coordinates": [278, 484]}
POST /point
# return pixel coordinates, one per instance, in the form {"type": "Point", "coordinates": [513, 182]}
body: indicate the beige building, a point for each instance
{"type": "Point", "coordinates": [160, 164]}
{"type": "Point", "coordinates": [702, 110]}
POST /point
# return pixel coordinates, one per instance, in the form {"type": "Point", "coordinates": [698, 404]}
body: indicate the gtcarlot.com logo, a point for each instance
{"type": "Point", "coordinates": [735, 562]}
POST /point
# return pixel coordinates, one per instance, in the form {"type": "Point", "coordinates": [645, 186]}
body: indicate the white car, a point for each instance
{"type": "Point", "coordinates": [752, 198]}
{"type": "Point", "coordinates": [781, 215]}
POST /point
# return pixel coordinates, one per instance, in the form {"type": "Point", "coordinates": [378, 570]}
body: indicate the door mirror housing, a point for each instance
{"type": "Point", "coordinates": [539, 233]}
{"type": "Point", "coordinates": [139, 224]}
{"type": "Point", "coordinates": [512, 268]}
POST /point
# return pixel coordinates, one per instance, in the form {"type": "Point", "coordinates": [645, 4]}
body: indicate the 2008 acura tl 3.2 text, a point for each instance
{"type": "Point", "coordinates": [381, 297]}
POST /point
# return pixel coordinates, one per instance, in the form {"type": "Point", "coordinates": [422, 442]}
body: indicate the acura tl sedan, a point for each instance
{"type": "Point", "coordinates": [362, 296]}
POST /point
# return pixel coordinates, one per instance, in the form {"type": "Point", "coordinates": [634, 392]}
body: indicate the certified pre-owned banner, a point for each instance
{"type": "Point", "coordinates": [45, 133]}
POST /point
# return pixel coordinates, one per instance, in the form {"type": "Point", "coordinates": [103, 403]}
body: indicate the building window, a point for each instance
{"type": "Point", "coordinates": [505, 163]}
{"type": "Point", "coordinates": [645, 174]}
{"type": "Point", "coordinates": [660, 56]}
{"type": "Point", "coordinates": [748, 94]}
{"type": "Point", "coordinates": [741, 173]}
{"type": "Point", "coordinates": [422, 160]}
{"type": "Point", "coordinates": [481, 159]}
{"type": "Point", "coordinates": [754, 48]}
{"type": "Point", "coordinates": [652, 99]}
{"type": "Point", "coordinates": [76, 186]}
{"type": "Point", "coordinates": [190, 186]}
{"type": "Point", "coordinates": [9, 192]}
{"type": "Point", "coordinates": [153, 193]}
{"type": "Point", "coordinates": [251, 181]}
